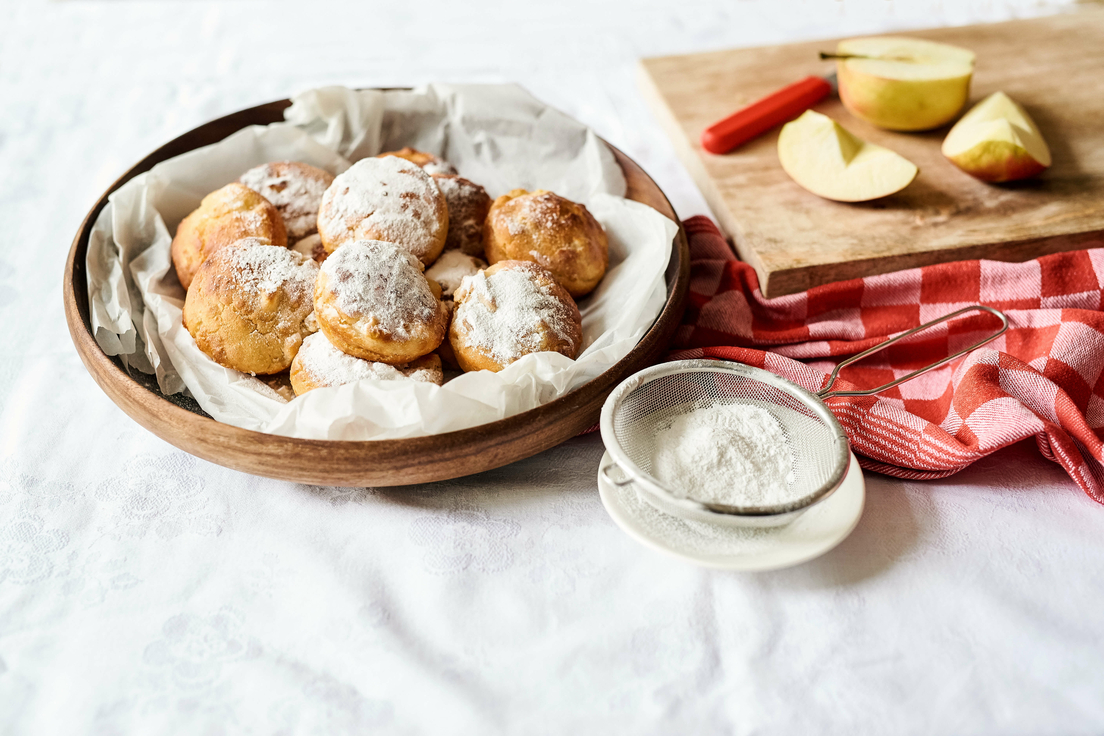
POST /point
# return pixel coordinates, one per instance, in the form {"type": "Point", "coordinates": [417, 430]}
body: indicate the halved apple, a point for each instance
{"type": "Point", "coordinates": [903, 83]}
{"type": "Point", "coordinates": [997, 141]}
{"type": "Point", "coordinates": [822, 156]}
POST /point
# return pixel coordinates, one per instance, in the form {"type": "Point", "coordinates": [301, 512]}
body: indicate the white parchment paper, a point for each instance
{"type": "Point", "coordinates": [496, 135]}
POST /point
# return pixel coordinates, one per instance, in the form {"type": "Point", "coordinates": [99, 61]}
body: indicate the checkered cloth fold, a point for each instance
{"type": "Point", "coordinates": [1042, 378]}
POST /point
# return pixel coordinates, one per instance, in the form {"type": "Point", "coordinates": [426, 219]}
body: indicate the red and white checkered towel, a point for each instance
{"type": "Point", "coordinates": [1043, 377]}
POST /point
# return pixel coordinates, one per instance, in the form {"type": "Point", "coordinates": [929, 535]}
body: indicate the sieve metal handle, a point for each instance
{"type": "Point", "coordinates": [605, 470]}
{"type": "Point", "coordinates": [827, 393]}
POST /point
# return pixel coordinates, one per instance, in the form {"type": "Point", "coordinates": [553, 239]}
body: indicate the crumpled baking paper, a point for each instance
{"type": "Point", "coordinates": [496, 135]}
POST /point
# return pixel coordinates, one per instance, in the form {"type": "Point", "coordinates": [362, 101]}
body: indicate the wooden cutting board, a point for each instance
{"type": "Point", "coordinates": [1053, 66]}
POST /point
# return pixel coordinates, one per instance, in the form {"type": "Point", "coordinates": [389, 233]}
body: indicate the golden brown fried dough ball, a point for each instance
{"type": "Point", "coordinates": [373, 302]}
{"type": "Point", "coordinates": [432, 164]}
{"type": "Point", "coordinates": [281, 382]}
{"type": "Point", "coordinates": [468, 205]}
{"type": "Point", "coordinates": [387, 199]}
{"type": "Point", "coordinates": [451, 268]}
{"type": "Point", "coordinates": [556, 233]}
{"type": "Point", "coordinates": [435, 288]}
{"type": "Point", "coordinates": [248, 306]}
{"type": "Point", "coordinates": [444, 350]}
{"type": "Point", "coordinates": [295, 189]}
{"type": "Point", "coordinates": [311, 246]}
{"type": "Point", "coordinates": [319, 364]}
{"type": "Point", "coordinates": [224, 216]}
{"type": "Point", "coordinates": [512, 309]}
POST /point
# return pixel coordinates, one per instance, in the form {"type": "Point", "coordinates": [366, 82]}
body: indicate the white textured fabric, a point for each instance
{"type": "Point", "coordinates": [144, 592]}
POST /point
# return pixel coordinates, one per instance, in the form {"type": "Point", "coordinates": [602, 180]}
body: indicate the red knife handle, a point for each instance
{"type": "Point", "coordinates": [777, 107]}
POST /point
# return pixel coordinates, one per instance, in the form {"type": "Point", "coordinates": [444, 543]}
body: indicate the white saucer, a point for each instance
{"type": "Point", "coordinates": [729, 548]}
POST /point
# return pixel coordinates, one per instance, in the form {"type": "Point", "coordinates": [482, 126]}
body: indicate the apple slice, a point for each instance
{"type": "Point", "coordinates": [822, 156]}
{"type": "Point", "coordinates": [997, 141]}
{"type": "Point", "coordinates": [903, 83]}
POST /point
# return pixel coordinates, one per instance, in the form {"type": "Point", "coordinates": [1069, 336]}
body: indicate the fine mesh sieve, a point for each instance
{"type": "Point", "coordinates": [650, 400]}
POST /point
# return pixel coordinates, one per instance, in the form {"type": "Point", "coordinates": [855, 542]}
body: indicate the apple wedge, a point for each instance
{"type": "Point", "coordinates": [822, 156]}
{"type": "Point", "coordinates": [997, 141]}
{"type": "Point", "coordinates": [903, 83]}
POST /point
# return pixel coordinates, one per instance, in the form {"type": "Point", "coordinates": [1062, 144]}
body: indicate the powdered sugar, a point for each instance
{"type": "Point", "coordinates": [419, 371]}
{"type": "Point", "coordinates": [468, 205]}
{"type": "Point", "coordinates": [450, 269]}
{"type": "Point", "coordinates": [537, 210]}
{"type": "Point", "coordinates": [387, 199]}
{"type": "Point", "coordinates": [540, 258]}
{"type": "Point", "coordinates": [430, 163]}
{"type": "Point", "coordinates": [371, 278]}
{"type": "Point", "coordinates": [254, 221]}
{"type": "Point", "coordinates": [439, 166]}
{"type": "Point", "coordinates": [506, 315]}
{"type": "Point", "coordinates": [311, 246]}
{"type": "Point", "coordinates": [734, 454]}
{"type": "Point", "coordinates": [515, 226]}
{"type": "Point", "coordinates": [295, 190]}
{"type": "Point", "coordinates": [259, 266]}
{"type": "Point", "coordinates": [694, 537]}
{"type": "Point", "coordinates": [328, 366]}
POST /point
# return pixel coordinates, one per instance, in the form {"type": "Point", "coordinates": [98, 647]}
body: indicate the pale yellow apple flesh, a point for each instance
{"type": "Point", "coordinates": [904, 83]}
{"type": "Point", "coordinates": [822, 156]}
{"type": "Point", "coordinates": [997, 141]}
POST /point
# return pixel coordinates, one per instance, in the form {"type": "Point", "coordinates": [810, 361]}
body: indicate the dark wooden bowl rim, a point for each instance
{"type": "Point", "coordinates": [357, 463]}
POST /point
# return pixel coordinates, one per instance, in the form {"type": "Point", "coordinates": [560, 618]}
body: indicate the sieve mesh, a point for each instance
{"type": "Point", "coordinates": [817, 444]}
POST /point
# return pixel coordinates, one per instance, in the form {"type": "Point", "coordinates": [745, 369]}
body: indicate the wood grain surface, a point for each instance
{"type": "Point", "coordinates": [1053, 66]}
{"type": "Point", "coordinates": [372, 463]}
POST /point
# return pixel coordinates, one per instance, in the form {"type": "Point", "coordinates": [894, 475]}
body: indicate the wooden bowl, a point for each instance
{"type": "Point", "coordinates": [179, 420]}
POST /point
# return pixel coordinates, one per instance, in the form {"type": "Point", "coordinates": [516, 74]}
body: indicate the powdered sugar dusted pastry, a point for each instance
{"type": "Point", "coordinates": [387, 199]}
{"type": "Point", "coordinates": [373, 302]}
{"type": "Point", "coordinates": [468, 205]}
{"type": "Point", "coordinates": [281, 382]}
{"type": "Point", "coordinates": [223, 217]}
{"type": "Point", "coordinates": [432, 164]}
{"type": "Point", "coordinates": [295, 189]}
{"type": "Point", "coordinates": [560, 235]}
{"type": "Point", "coordinates": [249, 305]}
{"type": "Point", "coordinates": [512, 309]}
{"type": "Point", "coordinates": [451, 268]}
{"type": "Point", "coordinates": [444, 350]}
{"type": "Point", "coordinates": [319, 364]}
{"type": "Point", "coordinates": [311, 246]}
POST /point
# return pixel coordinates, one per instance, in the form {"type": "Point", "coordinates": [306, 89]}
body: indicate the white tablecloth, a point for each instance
{"type": "Point", "coordinates": [143, 591]}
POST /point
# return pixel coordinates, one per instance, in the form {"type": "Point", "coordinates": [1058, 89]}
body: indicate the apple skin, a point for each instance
{"type": "Point", "coordinates": [997, 141]}
{"type": "Point", "coordinates": [898, 104]}
{"type": "Point", "coordinates": [997, 161]}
